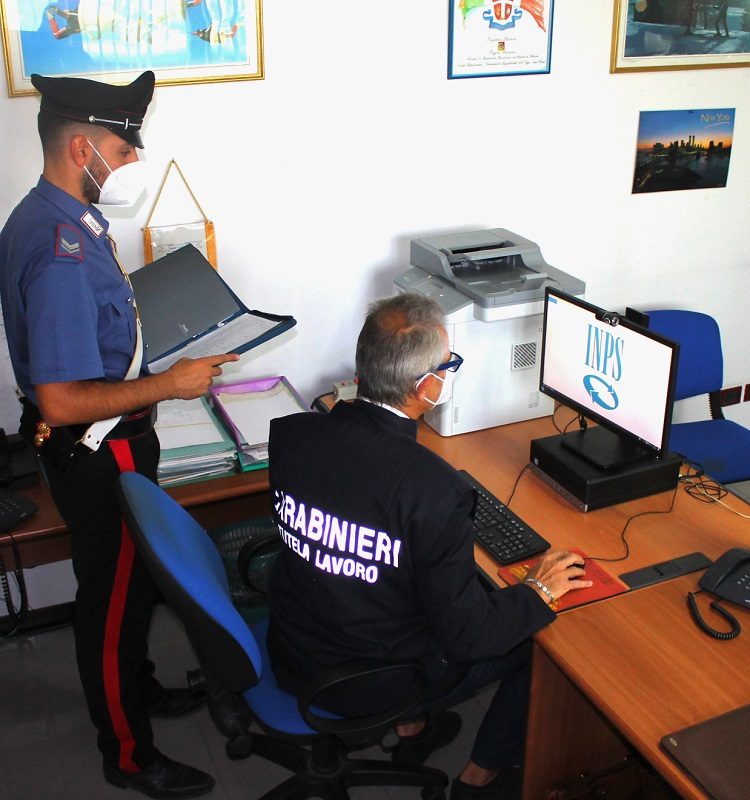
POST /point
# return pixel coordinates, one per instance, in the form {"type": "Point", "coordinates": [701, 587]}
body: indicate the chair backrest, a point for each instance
{"type": "Point", "coordinates": [700, 368]}
{"type": "Point", "coordinates": [188, 569]}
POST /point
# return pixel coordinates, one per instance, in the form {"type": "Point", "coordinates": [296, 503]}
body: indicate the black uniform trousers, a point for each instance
{"type": "Point", "coordinates": [115, 597]}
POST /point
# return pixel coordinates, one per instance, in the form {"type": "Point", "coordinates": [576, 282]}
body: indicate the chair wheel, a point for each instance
{"type": "Point", "coordinates": [239, 747]}
{"type": "Point", "coordinates": [433, 793]}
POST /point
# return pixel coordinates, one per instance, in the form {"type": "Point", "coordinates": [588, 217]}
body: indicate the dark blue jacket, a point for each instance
{"type": "Point", "coordinates": [379, 562]}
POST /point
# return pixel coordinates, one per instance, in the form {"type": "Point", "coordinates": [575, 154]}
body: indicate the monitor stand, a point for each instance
{"type": "Point", "coordinates": [602, 448]}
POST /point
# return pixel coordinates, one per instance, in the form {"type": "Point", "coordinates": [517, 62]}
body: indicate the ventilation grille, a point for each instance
{"type": "Point", "coordinates": [524, 356]}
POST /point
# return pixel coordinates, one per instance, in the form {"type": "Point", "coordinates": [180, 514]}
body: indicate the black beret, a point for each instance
{"type": "Point", "coordinates": [119, 108]}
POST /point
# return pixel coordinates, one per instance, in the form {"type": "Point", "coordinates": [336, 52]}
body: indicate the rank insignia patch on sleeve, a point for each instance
{"type": "Point", "coordinates": [69, 243]}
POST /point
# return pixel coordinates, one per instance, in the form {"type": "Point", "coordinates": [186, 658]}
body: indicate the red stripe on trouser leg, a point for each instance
{"type": "Point", "coordinates": [110, 662]}
{"type": "Point", "coordinates": [123, 454]}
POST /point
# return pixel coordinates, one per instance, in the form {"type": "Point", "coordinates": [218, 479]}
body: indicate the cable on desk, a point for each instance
{"type": "Point", "coordinates": [706, 490]}
{"type": "Point", "coordinates": [513, 490]}
{"type": "Point", "coordinates": [556, 408]}
{"type": "Point", "coordinates": [698, 470]}
{"type": "Point", "coordinates": [702, 488]}
{"type": "Point", "coordinates": [578, 417]}
{"type": "Point", "coordinates": [627, 524]}
{"type": "Point", "coordinates": [581, 422]}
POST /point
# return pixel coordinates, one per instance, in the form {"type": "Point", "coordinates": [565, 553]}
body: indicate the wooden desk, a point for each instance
{"type": "Point", "coordinates": [616, 674]}
{"type": "Point", "coordinates": [43, 538]}
{"type": "Point", "coordinates": [624, 671]}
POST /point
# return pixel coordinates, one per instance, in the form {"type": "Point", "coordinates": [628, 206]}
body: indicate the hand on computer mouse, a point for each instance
{"type": "Point", "coordinates": [558, 572]}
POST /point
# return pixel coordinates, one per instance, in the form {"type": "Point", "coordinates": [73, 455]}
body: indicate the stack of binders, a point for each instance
{"type": "Point", "coordinates": [194, 444]}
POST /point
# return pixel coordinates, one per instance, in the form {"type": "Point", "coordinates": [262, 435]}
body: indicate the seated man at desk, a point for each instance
{"type": "Point", "coordinates": [379, 562]}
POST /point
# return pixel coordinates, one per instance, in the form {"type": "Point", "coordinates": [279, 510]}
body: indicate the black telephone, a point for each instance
{"type": "Point", "coordinates": [18, 462]}
{"type": "Point", "coordinates": [729, 579]}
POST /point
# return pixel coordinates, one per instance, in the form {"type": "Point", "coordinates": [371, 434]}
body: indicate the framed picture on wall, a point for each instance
{"type": "Point", "coordinates": [487, 38]}
{"type": "Point", "coordinates": [182, 41]}
{"type": "Point", "coordinates": [680, 34]}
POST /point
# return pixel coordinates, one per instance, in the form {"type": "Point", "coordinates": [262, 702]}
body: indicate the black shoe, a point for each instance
{"type": "Point", "coordinates": [163, 778]}
{"type": "Point", "coordinates": [506, 785]}
{"type": "Point", "coordinates": [440, 729]}
{"type": "Point", "coordinates": [175, 703]}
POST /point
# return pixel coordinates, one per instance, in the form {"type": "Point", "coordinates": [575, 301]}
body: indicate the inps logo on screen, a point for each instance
{"type": "Point", "coordinates": [601, 392]}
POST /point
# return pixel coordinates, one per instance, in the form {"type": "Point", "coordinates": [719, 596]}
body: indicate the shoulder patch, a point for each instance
{"type": "Point", "coordinates": [69, 242]}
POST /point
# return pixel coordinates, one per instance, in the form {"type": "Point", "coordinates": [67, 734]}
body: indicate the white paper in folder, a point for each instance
{"type": "Point", "coordinates": [185, 423]}
{"type": "Point", "coordinates": [252, 412]}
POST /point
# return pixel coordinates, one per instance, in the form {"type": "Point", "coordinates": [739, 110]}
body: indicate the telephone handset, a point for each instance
{"type": "Point", "coordinates": [729, 579]}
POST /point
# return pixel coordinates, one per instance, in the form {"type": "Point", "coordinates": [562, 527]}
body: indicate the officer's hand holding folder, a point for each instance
{"type": "Point", "coordinates": [188, 310]}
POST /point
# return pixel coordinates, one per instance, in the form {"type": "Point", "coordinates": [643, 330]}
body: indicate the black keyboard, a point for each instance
{"type": "Point", "coordinates": [504, 535]}
{"type": "Point", "coordinates": [14, 508]}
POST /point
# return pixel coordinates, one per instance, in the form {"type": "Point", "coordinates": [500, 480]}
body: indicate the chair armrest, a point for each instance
{"type": "Point", "coordinates": [336, 676]}
{"type": "Point", "coordinates": [266, 543]}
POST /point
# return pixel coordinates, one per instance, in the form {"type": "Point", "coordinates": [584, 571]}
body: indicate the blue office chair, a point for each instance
{"type": "Point", "coordinates": [720, 446]}
{"type": "Point", "coordinates": [312, 743]}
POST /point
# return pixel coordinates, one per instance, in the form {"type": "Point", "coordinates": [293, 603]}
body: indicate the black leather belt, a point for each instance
{"type": "Point", "coordinates": [60, 446]}
{"type": "Point", "coordinates": [132, 426]}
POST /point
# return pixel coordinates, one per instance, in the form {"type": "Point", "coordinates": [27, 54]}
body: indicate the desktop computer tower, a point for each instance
{"type": "Point", "coordinates": [588, 487]}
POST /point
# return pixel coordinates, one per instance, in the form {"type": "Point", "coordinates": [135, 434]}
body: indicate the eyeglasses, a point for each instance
{"type": "Point", "coordinates": [450, 366]}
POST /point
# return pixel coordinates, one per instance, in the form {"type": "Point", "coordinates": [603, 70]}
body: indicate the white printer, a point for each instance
{"type": "Point", "coordinates": [490, 285]}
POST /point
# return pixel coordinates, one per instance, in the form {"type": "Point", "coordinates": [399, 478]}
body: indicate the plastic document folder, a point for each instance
{"type": "Point", "coordinates": [194, 444]}
{"type": "Point", "coordinates": [716, 753]}
{"type": "Point", "coordinates": [248, 407]}
{"type": "Point", "coordinates": [188, 309]}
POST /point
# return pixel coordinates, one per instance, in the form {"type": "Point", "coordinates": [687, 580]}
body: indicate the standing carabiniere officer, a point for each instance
{"type": "Point", "coordinates": [77, 355]}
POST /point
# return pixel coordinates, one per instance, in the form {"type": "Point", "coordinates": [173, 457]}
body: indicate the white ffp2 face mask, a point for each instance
{"type": "Point", "coordinates": [446, 390]}
{"type": "Point", "coordinates": [123, 186]}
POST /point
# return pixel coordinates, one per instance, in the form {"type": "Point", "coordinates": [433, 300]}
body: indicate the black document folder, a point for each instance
{"type": "Point", "coordinates": [716, 753]}
{"type": "Point", "coordinates": [188, 310]}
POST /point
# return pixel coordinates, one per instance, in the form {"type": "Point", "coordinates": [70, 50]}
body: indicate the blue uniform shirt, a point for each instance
{"type": "Point", "coordinates": [68, 310]}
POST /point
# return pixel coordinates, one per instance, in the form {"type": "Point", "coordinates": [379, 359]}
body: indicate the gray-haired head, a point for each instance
{"type": "Point", "coordinates": [400, 341]}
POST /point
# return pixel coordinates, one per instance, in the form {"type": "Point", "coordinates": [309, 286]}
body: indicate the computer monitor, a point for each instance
{"type": "Point", "coordinates": [610, 370]}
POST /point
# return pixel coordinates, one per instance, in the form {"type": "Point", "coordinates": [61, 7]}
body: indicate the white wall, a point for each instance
{"type": "Point", "coordinates": [318, 176]}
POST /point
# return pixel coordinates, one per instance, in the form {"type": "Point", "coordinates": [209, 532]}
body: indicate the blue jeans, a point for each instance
{"type": "Point", "coordinates": [500, 739]}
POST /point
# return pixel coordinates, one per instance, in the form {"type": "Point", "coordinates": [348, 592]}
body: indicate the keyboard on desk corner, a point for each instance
{"type": "Point", "coordinates": [500, 531]}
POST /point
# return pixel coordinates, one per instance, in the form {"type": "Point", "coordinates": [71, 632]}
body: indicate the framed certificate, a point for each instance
{"type": "Point", "coordinates": [489, 38]}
